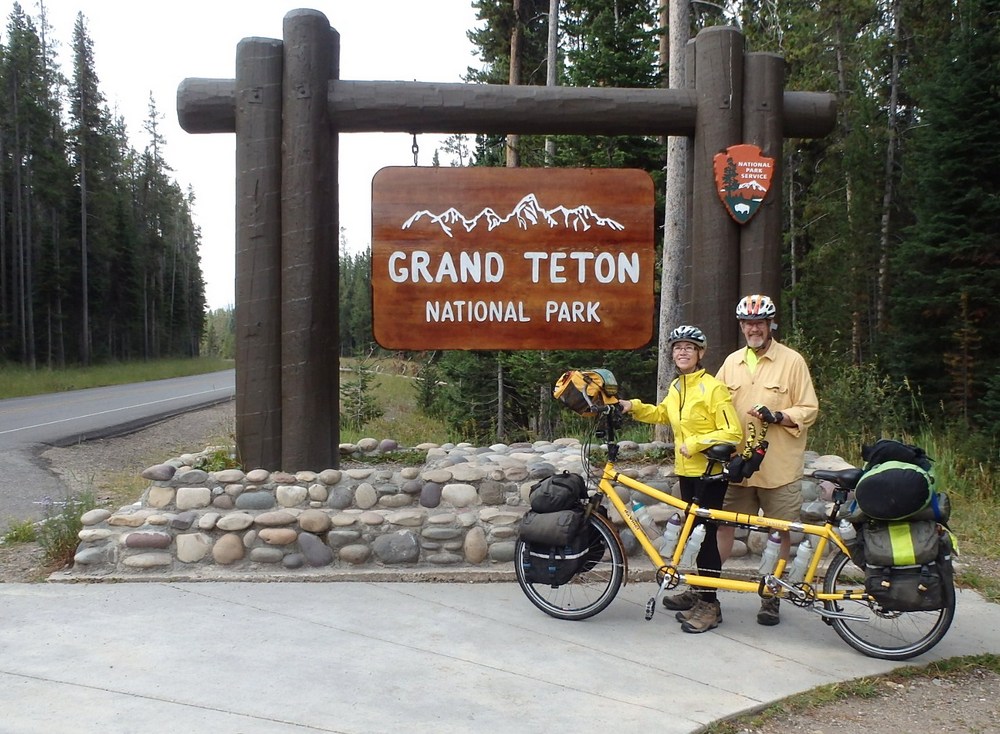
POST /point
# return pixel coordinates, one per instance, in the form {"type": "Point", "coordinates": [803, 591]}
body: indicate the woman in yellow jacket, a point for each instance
{"type": "Point", "coordinates": [701, 414]}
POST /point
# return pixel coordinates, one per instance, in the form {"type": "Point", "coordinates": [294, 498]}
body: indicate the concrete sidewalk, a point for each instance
{"type": "Point", "coordinates": [372, 657]}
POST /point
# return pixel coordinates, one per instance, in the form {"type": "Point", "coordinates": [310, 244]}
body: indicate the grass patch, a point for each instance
{"type": "Point", "coordinates": [17, 381]}
{"type": "Point", "coordinates": [20, 531]}
{"type": "Point", "coordinates": [406, 458]}
{"type": "Point", "coordinates": [59, 532]}
{"type": "Point", "coordinates": [218, 460]}
{"type": "Point", "coordinates": [861, 688]}
{"type": "Point", "coordinates": [396, 391]}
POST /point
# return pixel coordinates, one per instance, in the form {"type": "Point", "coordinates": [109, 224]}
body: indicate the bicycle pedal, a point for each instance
{"type": "Point", "coordinates": [650, 608]}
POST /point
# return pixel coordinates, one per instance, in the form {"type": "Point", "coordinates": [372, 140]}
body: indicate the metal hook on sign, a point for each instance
{"type": "Point", "coordinates": [415, 149]}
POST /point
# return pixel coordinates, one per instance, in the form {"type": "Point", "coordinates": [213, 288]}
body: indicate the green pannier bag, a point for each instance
{"type": "Point", "coordinates": [901, 543]}
{"type": "Point", "coordinates": [908, 565]}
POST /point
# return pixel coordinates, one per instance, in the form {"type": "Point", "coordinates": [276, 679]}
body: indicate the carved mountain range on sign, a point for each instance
{"type": "Point", "coordinates": [528, 213]}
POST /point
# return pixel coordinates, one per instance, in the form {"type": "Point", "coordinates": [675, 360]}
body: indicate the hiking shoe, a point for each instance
{"type": "Point", "coordinates": [687, 600]}
{"type": "Point", "coordinates": [686, 615]}
{"type": "Point", "coordinates": [705, 616]}
{"type": "Point", "coordinates": [768, 614]}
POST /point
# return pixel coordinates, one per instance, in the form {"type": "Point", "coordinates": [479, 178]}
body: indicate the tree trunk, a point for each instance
{"type": "Point", "coordinates": [892, 141]}
{"type": "Point", "coordinates": [551, 69]}
{"type": "Point", "coordinates": [500, 415]}
{"type": "Point", "coordinates": [516, 35]}
{"type": "Point", "coordinates": [84, 286]}
{"type": "Point", "coordinates": [675, 208]}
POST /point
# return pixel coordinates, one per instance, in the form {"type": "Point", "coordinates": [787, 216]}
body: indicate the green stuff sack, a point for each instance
{"type": "Point", "coordinates": [894, 490]}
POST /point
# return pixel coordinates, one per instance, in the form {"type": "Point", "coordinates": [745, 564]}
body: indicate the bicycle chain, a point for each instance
{"type": "Point", "coordinates": [808, 590]}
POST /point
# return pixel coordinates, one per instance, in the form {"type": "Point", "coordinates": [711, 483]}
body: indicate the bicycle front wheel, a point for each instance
{"type": "Point", "coordinates": [591, 590]}
{"type": "Point", "coordinates": [875, 632]}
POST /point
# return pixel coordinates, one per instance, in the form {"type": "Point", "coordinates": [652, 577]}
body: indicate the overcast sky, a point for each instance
{"type": "Point", "coordinates": [142, 48]}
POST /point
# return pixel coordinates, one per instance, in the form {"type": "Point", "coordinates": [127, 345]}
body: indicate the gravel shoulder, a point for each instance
{"type": "Point", "coordinates": [964, 700]}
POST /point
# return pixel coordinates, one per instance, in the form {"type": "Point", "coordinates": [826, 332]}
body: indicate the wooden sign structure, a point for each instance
{"type": "Point", "coordinates": [288, 106]}
{"type": "Point", "coordinates": [512, 258]}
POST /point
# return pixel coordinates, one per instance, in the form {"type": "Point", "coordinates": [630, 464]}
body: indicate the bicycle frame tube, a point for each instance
{"type": "Point", "coordinates": [824, 534]}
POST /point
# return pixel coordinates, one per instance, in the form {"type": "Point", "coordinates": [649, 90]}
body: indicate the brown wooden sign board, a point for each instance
{"type": "Point", "coordinates": [512, 258]}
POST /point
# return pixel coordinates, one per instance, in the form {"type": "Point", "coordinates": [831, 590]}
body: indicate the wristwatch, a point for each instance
{"type": "Point", "coordinates": [779, 417]}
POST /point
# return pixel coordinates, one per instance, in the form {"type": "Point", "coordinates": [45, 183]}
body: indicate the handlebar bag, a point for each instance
{"type": "Point", "coordinates": [584, 391]}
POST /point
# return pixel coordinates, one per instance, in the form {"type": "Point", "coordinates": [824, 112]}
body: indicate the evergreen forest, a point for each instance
{"type": "Point", "coordinates": [98, 249]}
{"type": "Point", "coordinates": [891, 271]}
{"type": "Point", "coordinates": [891, 268]}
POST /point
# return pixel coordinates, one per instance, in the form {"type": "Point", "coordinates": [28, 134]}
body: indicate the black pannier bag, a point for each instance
{"type": "Point", "coordinates": [556, 565]}
{"type": "Point", "coordinates": [558, 492]}
{"type": "Point", "coordinates": [560, 543]}
{"type": "Point", "coordinates": [908, 565]}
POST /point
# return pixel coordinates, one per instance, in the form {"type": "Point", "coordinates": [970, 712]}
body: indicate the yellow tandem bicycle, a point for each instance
{"type": "Point", "coordinates": [833, 585]}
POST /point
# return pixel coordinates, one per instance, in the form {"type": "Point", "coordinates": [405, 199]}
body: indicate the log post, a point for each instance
{"type": "Point", "coordinates": [258, 252]}
{"type": "Point", "coordinates": [760, 238]}
{"type": "Point", "coordinates": [310, 223]}
{"type": "Point", "coordinates": [715, 236]}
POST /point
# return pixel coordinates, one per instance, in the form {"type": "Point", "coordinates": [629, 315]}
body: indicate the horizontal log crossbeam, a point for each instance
{"type": "Point", "coordinates": [209, 106]}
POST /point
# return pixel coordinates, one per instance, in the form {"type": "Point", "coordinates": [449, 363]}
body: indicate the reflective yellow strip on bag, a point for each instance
{"type": "Point", "coordinates": [903, 553]}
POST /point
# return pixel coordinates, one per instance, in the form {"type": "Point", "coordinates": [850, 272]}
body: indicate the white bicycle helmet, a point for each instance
{"type": "Point", "coordinates": [755, 308]}
{"type": "Point", "coordinates": [687, 333]}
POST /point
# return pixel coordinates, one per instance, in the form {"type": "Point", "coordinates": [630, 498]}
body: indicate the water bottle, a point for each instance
{"type": "Point", "coordinates": [692, 546]}
{"type": "Point", "coordinates": [801, 562]}
{"type": "Point", "coordinates": [769, 558]}
{"type": "Point", "coordinates": [847, 533]}
{"type": "Point", "coordinates": [645, 519]}
{"type": "Point", "coordinates": [670, 534]}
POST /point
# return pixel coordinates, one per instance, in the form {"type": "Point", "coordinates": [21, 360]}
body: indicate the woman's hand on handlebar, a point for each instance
{"type": "Point", "coordinates": [625, 405]}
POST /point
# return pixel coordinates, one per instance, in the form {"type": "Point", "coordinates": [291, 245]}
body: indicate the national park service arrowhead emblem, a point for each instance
{"type": "Point", "coordinates": [742, 178]}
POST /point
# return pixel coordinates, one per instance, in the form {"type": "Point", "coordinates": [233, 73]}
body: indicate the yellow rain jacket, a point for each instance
{"type": "Point", "coordinates": [700, 412]}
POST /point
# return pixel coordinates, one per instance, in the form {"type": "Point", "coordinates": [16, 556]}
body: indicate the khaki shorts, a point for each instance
{"type": "Point", "coordinates": [781, 503]}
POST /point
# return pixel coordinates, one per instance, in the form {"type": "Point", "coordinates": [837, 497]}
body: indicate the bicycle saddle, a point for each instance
{"type": "Point", "coordinates": [720, 451]}
{"type": "Point", "coordinates": [846, 478]}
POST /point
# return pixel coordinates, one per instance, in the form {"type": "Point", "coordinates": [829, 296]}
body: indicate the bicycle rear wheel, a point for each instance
{"type": "Point", "coordinates": [591, 590]}
{"type": "Point", "coordinates": [881, 634]}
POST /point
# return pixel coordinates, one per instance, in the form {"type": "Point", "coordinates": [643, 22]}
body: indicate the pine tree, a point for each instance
{"type": "Point", "coordinates": [948, 266]}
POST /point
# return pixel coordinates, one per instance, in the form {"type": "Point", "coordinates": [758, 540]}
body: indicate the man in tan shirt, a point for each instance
{"type": "Point", "coordinates": [771, 383]}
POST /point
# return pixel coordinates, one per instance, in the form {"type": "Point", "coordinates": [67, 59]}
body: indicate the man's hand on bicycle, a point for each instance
{"type": "Point", "coordinates": [763, 413]}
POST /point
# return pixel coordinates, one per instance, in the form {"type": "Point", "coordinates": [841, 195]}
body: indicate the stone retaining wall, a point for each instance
{"type": "Point", "coordinates": [459, 511]}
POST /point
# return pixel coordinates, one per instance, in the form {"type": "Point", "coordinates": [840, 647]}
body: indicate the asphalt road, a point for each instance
{"type": "Point", "coordinates": [30, 425]}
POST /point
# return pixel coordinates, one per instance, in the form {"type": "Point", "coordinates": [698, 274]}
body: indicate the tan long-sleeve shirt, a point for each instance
{"type": "Point", "coordinates": [781, 381]}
